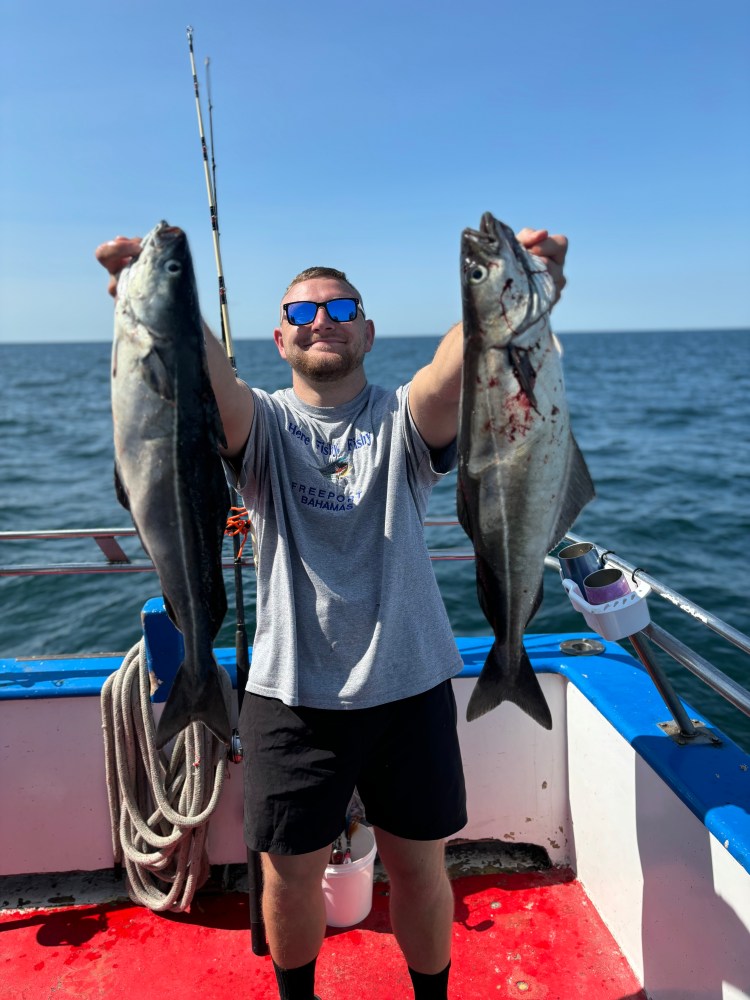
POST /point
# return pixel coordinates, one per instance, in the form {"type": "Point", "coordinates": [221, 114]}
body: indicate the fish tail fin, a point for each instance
{"type": "Point", "coordinates": [495, 686]}
{"type": "Point", "coordinates": [188, 703]}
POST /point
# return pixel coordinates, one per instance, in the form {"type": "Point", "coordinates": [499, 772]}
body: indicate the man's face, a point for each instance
{"type": "Point", "coordinates": [323, 350]}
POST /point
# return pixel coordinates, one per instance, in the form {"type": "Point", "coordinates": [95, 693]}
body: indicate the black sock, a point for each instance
{"type": "Point", "coordinates": [434, 987]}
{"type": "Point", "coordinates": [296, 984]}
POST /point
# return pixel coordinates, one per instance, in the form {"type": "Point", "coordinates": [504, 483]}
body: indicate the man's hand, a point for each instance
{"type": "Point", "coordinates": [116, 255]}
{"type": "Point", "coordinates": [552, 250]}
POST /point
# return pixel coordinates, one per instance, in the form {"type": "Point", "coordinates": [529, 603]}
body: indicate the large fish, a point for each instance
{"type": "Point", "coordinates": [522, 480]}
{"type": "Point", "coordinates": [168, 473]}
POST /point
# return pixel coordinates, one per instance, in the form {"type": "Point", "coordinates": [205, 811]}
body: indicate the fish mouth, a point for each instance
{"type": "Point", "coordinates": [161, 246]}
{"type": "Point", "coordinates": [491, 235]}
{"type": "Point", "coordinates": [488, 243]}
{"type": "Point", "coordinates": [493, 239]}
{"type": "Point", "coordinates": [162, 234]}
{"type": "Point", "coordinates": [486, 236]}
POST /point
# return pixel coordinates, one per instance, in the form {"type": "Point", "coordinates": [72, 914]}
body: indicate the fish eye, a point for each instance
{"type": "Point", "coordinates": [173, 267]}
{"type": "Point", "coordinates": [476, 274]}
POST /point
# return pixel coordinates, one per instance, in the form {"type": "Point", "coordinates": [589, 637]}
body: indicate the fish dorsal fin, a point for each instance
{"type": "Point", "coordinates": [577, 491]}
{"type": "Point", "coordinates": [120, 492]}
{"type": "Point", "coordinates": [462, 511]}
{"type": "Point", "coordinates": [213, 416]}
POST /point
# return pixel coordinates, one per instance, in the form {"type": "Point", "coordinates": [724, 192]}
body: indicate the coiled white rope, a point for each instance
{"type": "Point", "coordinates": [159, 807]}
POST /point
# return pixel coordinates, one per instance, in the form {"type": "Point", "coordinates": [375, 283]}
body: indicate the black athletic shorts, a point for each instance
{"type": "Point", "coordinates": [302, 764]}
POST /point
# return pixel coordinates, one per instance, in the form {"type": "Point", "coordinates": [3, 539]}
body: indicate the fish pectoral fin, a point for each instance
{"type": "Point", "coordinates": [524, 371]}
{"type": "Point", "coordinates": [496, 684]}
{"type": "Point", "coordinates": [157, 376]}
{"type": "Point", "coordinates": [577, 491]}
{"type": "Point", "coordinates": [190, 701]}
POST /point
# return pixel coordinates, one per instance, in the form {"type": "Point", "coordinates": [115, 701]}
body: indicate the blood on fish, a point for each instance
{"type": "Point", "coordinates": [519, 412]}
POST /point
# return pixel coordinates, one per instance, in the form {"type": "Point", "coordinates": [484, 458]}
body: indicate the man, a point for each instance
{"type": "Point", "coordinates": [353, 653]}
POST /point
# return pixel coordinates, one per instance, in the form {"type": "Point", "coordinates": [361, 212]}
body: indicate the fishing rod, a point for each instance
{"type": "Point", "coordinates": [242, 653]}
{"type": "Point", "coordinates": [226, 334]}
{"type": "Point", "coordinates": [241, 644]}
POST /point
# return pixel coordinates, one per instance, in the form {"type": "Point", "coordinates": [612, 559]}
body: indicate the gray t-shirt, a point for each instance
{"type": "Point", "coordinates": [349, 614]}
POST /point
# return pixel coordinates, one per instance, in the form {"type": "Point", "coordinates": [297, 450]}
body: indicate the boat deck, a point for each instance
{"type": "Point", "coordinates": [531, 934]}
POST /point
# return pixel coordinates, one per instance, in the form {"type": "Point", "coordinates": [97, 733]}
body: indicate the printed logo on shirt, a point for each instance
{"type": "Point", "coordinates": [298, 432]}
{"type": "Point", "coordinates": [337, 471]}
{"type": "Point", "coordinates": [332, 448]}
{"type": "Point", "coordinates": [325, 499]}
{"type": "Point", "coordinates": [363, 440]}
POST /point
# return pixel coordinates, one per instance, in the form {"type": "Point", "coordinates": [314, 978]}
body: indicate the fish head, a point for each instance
{"type": "Point", "coordinates": [158, 285]}
{"type": "Point", "coordinates": [506, 290]}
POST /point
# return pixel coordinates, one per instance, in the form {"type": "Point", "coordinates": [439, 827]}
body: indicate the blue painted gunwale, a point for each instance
{"type": "Point", "coordinates": [712, 781]}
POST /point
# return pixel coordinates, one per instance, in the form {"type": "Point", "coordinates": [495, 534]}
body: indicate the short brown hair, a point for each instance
{"type": "Point", "coordinates": [323, 272]}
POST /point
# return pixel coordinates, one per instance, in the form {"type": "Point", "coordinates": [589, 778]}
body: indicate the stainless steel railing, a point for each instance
{"type": "Point", "coordinates": [116, 560]}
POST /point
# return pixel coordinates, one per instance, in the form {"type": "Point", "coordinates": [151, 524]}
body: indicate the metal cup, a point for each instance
{"type": "Point", "coordinates": [577, 562]}
{"type": "Point", "coordinates": [606, 585]}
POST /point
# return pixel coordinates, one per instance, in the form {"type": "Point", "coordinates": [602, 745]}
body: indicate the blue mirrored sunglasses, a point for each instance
{"type": "Point", "coordinates": [339, 310]}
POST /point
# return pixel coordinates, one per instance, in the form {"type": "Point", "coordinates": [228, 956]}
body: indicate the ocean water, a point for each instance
{"type": "Point", "coordinates": [662, 418]}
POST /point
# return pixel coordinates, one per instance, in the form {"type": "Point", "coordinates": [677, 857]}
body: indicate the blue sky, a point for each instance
{"type": "Point", "coordinates": [366, 136]}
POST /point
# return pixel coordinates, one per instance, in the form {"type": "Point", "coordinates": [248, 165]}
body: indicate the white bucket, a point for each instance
{"type": "Point", "coordinates": [348, 888]}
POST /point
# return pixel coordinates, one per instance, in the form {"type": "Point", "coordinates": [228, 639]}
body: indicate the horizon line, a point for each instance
{"type": "Point", "coordinates": [395, 336]}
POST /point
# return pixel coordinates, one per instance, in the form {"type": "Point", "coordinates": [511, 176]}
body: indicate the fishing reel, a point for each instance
{"type": "Point", "coordinates": [235, 752]}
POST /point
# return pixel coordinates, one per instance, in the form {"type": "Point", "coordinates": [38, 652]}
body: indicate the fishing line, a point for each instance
{"type": "Point", "coordinates": [211, 140]}
{"type": "Point", "coordinates": [242, 653]}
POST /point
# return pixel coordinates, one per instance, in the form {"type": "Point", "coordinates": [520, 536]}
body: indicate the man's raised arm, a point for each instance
{"type": "Point", "coordinates": [233, 397]}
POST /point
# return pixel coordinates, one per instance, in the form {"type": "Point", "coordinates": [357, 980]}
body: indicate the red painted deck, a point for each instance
{"type": "Point", "coordinates": [515, 936]}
